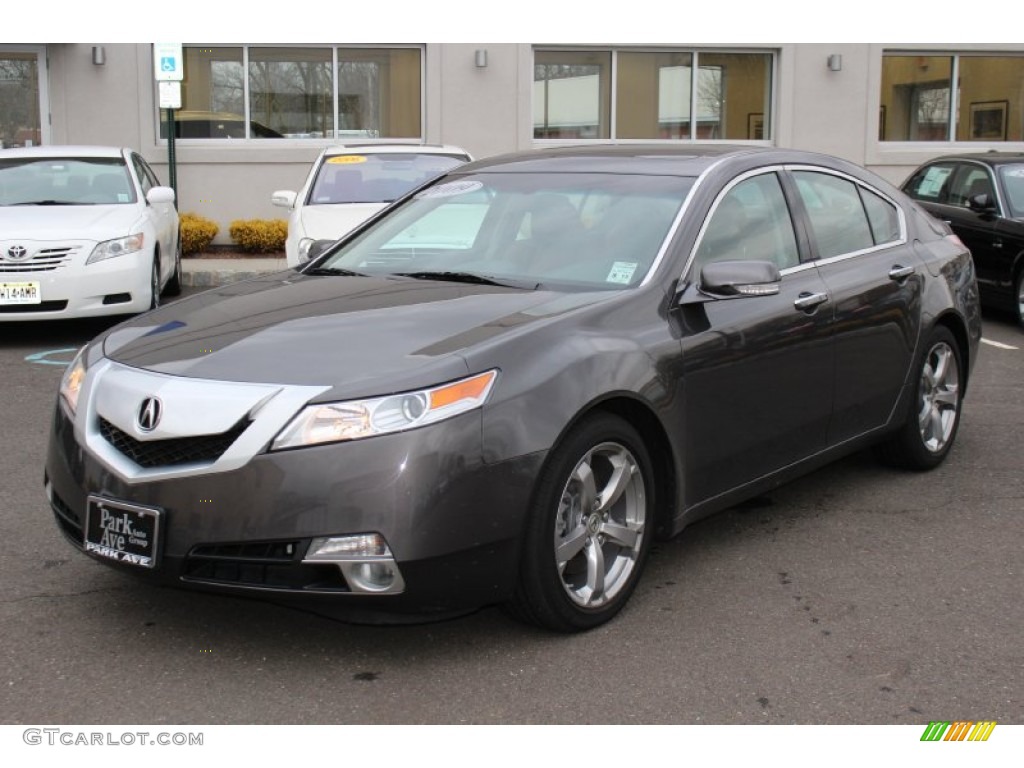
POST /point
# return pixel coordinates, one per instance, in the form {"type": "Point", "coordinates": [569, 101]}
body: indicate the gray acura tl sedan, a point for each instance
{"type": "Point", "coordinates": [503, 387]}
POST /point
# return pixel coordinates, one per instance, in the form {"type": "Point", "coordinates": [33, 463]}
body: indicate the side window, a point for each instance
{"type": "Point", "coordinates": [970, 180]}
{"type": "Point", "coordinates": [930, 184]}
{"type": "Point", "coordinates": [751, 222]}
{"type": "Point", "coordinates": [882, 216]}
{"type": "Point", "coordinates": [839, 222]}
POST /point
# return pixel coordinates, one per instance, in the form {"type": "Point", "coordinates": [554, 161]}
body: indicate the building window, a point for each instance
{"type": "Point", "coordinates": [261, 92]}
{"type": "Point", "coordinates": [652, 95]}
{"type": "Point", "coordinates": [920, 103]}
{"type": "Point", "coordinates": [20, 123]}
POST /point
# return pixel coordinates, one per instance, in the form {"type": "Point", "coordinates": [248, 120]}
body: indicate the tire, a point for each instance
{"type": "Point", "coordinates": [579, 567]}
{"type": "Point", "coordinates": [928, 434]}
{"type": "Point", "coordinates": [1018, 297]}
{"type": "Point", "coordinates": [154, 283]}
{"type": "Point", "coordinates": [173, 287]}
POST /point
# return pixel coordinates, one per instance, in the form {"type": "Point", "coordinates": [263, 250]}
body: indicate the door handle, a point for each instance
{"type": "Point", "coordinates": [997, 244]}
{"type": "Point", "coordinates": [808, 301]}
{"type": "Point", "coordinates": [900, 272]}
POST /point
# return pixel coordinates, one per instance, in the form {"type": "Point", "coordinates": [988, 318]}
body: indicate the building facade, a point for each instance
{"type": "Point", "coordinates": [254, 116]}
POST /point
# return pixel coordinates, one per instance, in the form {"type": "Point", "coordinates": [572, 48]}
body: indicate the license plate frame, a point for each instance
{"type": "Point", "coordinates": [122, 531]}
{"type": "Point", "coordinates": [13, 292]}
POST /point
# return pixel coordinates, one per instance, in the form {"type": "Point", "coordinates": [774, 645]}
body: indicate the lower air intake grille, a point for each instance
{"type": "Point", "coordinates": [269, 565]}
{"type": "Point", "coordinates": [173, 451]}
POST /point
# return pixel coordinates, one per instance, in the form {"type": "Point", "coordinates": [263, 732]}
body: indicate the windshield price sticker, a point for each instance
{"type": "Point", "coordinates": [122, 532]}
{"type": "Point", "coordinates": [346, 159]}
{"type": "Point", "coordinates": [20, 293]}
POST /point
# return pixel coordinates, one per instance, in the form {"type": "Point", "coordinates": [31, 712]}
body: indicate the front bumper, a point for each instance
{"type": "Point", "coordinates": [70, 288]}
{"type": "Point", "coordinates": [452, 522]}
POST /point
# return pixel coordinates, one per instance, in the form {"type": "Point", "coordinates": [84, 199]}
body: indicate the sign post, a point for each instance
{"type": "Point", "coordinates": [169, 69]}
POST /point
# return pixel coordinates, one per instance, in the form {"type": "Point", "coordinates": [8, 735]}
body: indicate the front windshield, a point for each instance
{"type": "Point", "coordinates": [1013, 183]}
{"type": "Point", "coordinates": [380, 178]}
{"type": "Point", "coordinates": [65, 181]}
{"type": "Point", "coordinates": [585, 230]}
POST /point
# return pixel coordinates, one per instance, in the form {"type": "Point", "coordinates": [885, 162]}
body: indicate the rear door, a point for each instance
{"type": "Point", "coordinates": [861, 249]}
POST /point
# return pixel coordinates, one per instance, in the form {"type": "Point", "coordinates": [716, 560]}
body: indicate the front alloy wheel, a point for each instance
{"type": "Point", "coordinates": [590, 528]}
{"type": "Point", "coordinates": [154, 283]}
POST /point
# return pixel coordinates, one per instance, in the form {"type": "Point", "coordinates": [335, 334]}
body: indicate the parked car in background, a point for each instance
{"type": "Point", "coordinates": [507, 385]}
{"type": "Point", "coordinates": [84, 231]}
{"type": "Point", "coordinates": [981, 196]}
{"type": "Point", "coordinates": [348, 184]}
{"type": "Point", "coordinates": [199, 124]}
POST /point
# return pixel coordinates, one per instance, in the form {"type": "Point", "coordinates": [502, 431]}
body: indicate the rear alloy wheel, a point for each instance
{"type": "Point", "coordinates": [590, 531]}
{"type": "Point", "coordinates": [174, 284]}
{"type": "Point", "coordinates": [931, 426]}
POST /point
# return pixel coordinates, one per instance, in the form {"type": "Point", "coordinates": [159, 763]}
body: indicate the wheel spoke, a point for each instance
{"type": "Point", "coordinates": [584, 476]}
{"type": "Point", "coordinates": [623, 535]}
{"type": "Point", "coordinates": [595, 573]}
{"type": "Point", "coordinates": [622, 474]}
{"type": "Point", "coordinates": [941, 370]}
{"type": "Point", "coordinates": [935, 428]}
{"type": "Point", "coordinates": [948, 397]}
{"type": "Point", "coordinates": [570, 546]}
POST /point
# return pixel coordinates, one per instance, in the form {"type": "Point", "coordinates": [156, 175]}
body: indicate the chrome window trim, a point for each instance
{"type": "Point", "coordinates": [790, 167]}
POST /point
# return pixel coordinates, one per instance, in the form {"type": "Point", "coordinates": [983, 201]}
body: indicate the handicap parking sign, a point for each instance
{"type": "Point", "coordinates": [167, 62]}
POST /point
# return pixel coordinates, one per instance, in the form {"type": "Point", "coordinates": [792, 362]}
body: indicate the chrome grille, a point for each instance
{"type": "Point", "coordinates": [45, 260]}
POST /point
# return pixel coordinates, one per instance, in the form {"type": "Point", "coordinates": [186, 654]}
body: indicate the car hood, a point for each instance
{"type": "Point", "coordinates": [58, 222]}
{"type": "Point", "coordinates": [354, 334]}
{"type": "Point", "coordinates": [329, 222]}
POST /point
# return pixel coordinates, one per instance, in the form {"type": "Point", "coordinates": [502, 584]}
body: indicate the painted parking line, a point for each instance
{"type": "Point", "coordinates": [53, 356]}
{"type": "Point", "coordinates": [998, 344]}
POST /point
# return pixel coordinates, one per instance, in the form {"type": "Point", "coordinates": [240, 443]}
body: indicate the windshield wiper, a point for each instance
{"type": "Point", "coordinates": [51, 202]}
{"type": "Point", "coordinates": [470, 277]}
{"type": "Point", "coordinates": [333, 271]}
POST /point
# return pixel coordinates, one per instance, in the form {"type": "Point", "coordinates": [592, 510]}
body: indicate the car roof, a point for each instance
{"type": "Point", "coordinates": [992, 157]}
{"type": "Point", "coordinates": [383, 149]}
{"type": "Point", "coordinates": [63, 150]}
{"type": "Point", "coordinates": [654, 159]}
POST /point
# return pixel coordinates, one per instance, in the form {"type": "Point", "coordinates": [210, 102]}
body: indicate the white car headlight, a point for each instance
{"type": "Point", "coordinates": [71, 381]}
{"type": "Point", "coordinates": [108, 249]}
{"type": "Point", "coordinates": [356, 419]}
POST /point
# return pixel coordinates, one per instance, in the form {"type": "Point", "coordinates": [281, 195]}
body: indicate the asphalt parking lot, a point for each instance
{"type": "Point", "coordinates": [858, 594]}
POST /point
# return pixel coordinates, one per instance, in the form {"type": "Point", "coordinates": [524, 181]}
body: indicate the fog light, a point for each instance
{"type": "Point", "coordinates": [347, 547]}
{"type": "Point", "coordinates": [364, 559]}
{"type": "Point", "coordinates": [372, 577]}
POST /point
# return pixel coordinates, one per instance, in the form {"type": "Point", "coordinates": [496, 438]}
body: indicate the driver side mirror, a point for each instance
{"type": "Point", "coordinates": [740, 278]}
{"type": "Point", "coordinates": [982, 203]}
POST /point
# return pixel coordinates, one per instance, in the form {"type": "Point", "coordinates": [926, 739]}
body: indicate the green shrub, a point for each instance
{"type": "Point", "coordinates": [259, 235]}
{"type": "Point", "coordinates": [197, 232]}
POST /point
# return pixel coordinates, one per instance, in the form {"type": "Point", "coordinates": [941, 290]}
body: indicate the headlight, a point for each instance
{"type": "Point", "coordinates": [304, 245]}
{"type": "Point", "coordinates": [108, 249]}
{"type": "Point", "coordinates": [356, 419]}
{"type": "Point", "coordinates": [71, 382]}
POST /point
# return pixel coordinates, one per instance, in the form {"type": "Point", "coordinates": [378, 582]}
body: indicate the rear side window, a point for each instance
{"type": "Point", "coordinates": [839, 222]}
{"type": "Point", "coordinates": [882, 216]}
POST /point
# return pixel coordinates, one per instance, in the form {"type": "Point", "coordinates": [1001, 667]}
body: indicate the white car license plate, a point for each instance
{"type": "Point", "coordinates": [126, 533]}
{"type": "Point", "coordinates": [20, 293]}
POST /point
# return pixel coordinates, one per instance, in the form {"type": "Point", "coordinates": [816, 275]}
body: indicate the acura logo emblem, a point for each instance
{"type": "Point", "coordinates": [17, 252]}
{"type": "Point", "coordinates": [149, 414]}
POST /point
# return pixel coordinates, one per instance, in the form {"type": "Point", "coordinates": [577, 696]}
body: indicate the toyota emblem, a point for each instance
{"type": "Point", "coordinates": [17, 252]}
{"type": "Point", "coordinates": [149, 414]}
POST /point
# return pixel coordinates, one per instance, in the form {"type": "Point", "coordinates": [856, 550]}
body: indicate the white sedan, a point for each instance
{"type": "Point", "coordinates": [84, 231]}
{"type": "Point", "coordinates": [348, 184]}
